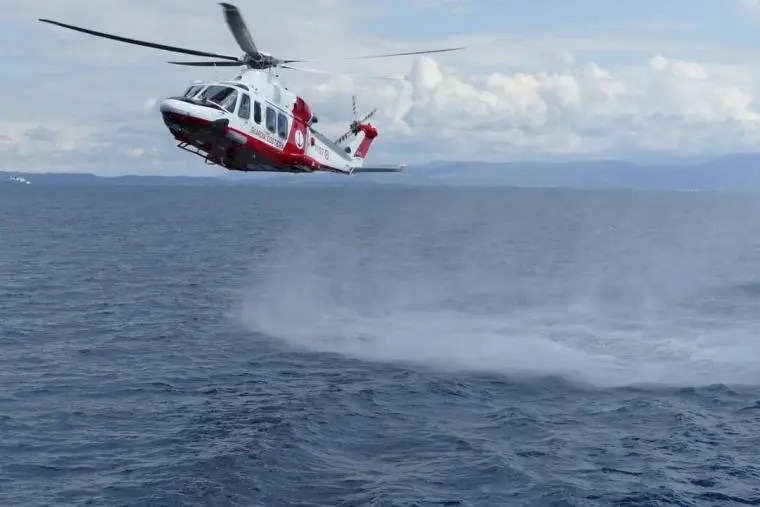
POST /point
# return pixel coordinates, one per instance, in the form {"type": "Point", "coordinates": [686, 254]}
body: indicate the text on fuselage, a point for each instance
{"type": "Point", "coordinates": [267, 137]}
{"type": "Point", "coordinates": [322, 152]}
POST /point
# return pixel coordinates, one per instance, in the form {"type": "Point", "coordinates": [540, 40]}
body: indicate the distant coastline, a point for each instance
{"type": "Point", "coordinates": [740, 172]}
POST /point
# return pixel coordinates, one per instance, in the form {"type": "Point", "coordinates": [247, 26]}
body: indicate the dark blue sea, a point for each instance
{"type": "Point", "coordinates": [249, 346]}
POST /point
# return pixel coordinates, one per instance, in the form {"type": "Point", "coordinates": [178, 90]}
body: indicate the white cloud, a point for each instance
{"type": "Point", "coordinates": [83, 103]}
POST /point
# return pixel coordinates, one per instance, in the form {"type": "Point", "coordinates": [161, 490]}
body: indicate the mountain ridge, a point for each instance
{"type": "Point", "coordinates": [739, 171]}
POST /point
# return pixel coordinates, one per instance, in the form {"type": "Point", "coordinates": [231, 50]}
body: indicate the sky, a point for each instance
{"type": "Point", "coordinates": [539, 79]}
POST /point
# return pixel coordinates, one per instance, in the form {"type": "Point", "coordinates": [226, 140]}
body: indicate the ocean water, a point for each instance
{"type": "Point", "coordinates": [345, 347]}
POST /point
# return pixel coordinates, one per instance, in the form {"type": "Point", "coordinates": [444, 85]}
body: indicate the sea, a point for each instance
{"type": "Point", "coordinates": [380, 346]}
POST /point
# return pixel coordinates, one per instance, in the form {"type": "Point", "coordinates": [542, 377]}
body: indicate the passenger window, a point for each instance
{"type": "Point", "coordinates": [282, 126]}
{"type": "Point", "coordinates": [244, 111]}
{"type": "Point", "coordinates": [271, 120]}
{"type": "Point", "coordinates": [257, 111]}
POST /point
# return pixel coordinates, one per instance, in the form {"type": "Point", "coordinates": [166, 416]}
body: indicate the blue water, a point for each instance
{"type": "Point", "coordinates": [261, 346]}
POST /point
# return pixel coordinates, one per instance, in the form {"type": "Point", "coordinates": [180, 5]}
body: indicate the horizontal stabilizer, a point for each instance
{"type": "Point", "coordinates": [380, 169]}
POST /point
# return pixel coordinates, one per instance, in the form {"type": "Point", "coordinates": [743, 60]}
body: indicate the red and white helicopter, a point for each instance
{"type": "Point", "coordinates": [252, 122]}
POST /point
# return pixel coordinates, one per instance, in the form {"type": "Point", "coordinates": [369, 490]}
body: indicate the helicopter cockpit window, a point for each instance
{"type": "Point", "coordinates": [257, 111]}
{"type": "Point", "coordinates": [271, 120]}
{"type": "Point", "coordinates": [192, 91]}
{"type": "Point", "coordinates": [224, 96]}
{"type": "Point", "coordinates": [282, 126]}
{"type": "Point", "coordinates": [244, 111]}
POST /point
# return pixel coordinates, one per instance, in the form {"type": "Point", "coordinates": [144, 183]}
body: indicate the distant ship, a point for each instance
{"type": "Point", "coordinates": [19, 179]}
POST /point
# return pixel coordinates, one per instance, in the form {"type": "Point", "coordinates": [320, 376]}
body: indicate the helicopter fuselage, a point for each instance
{"type": "Point", "coordinates": [253, 123]}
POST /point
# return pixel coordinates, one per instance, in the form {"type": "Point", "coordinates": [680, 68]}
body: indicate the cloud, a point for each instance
{"type": "Point", "coordinates": [83, 103]}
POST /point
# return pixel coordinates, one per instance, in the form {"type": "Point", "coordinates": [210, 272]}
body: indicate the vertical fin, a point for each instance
{"type": "Point", "coordinates": [359, 146]}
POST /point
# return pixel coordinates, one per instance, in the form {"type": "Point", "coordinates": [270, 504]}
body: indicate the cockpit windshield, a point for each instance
{"type": "Point", "coordinates": [192, 91]}
{"type": "Point", "coordinates": [224, 96]}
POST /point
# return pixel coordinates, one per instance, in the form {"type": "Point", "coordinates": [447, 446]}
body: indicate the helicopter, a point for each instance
{"type": "Point", "coordinates": [252, 123]}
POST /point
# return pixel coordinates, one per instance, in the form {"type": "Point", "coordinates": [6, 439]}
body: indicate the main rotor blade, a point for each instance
{"type": "Point", "coordinates": [223, 63]}
{"type": "Point", "coordinates": [139, 42]}
{"type": "Point", "coordinates": [425, 51]}
{"type": "Point", "coordinates": [386, 55]}
{"type": "Point", "coordinates": [237, 26]}
{"type": "Point", "coordinates": [317, 71]}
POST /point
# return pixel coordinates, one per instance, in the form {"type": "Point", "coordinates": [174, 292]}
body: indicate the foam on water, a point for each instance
{"type": "Point", "coordinates": [564, 342]}
{"type": "Point", "coordinates": [334, 294]}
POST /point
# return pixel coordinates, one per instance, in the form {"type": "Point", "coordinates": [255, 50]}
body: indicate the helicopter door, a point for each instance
{"type": "Point", "coordinates": [300, 130]}
{"type": "Point", "coordinates": [299, 135]}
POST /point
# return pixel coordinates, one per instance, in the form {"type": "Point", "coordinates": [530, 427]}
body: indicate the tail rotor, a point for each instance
{"type": "Point", "coordinates": [353, 128]}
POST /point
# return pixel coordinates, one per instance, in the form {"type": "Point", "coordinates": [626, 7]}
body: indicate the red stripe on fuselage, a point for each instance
{"type": "Point", "coordinates": [278, 159]}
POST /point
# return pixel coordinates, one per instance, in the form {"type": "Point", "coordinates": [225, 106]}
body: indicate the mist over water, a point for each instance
{"type": "Point", "coordinates": [610, 289]}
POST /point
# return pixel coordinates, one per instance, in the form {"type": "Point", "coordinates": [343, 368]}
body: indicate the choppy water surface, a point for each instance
{"type": "Point", "coordinates": [253, 346]}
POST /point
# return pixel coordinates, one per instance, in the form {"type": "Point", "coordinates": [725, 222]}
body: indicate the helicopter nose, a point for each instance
{"type": "Point", "coordinates": [172, 106]}
{"type": "Point", "coordinates": [174, 113]}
